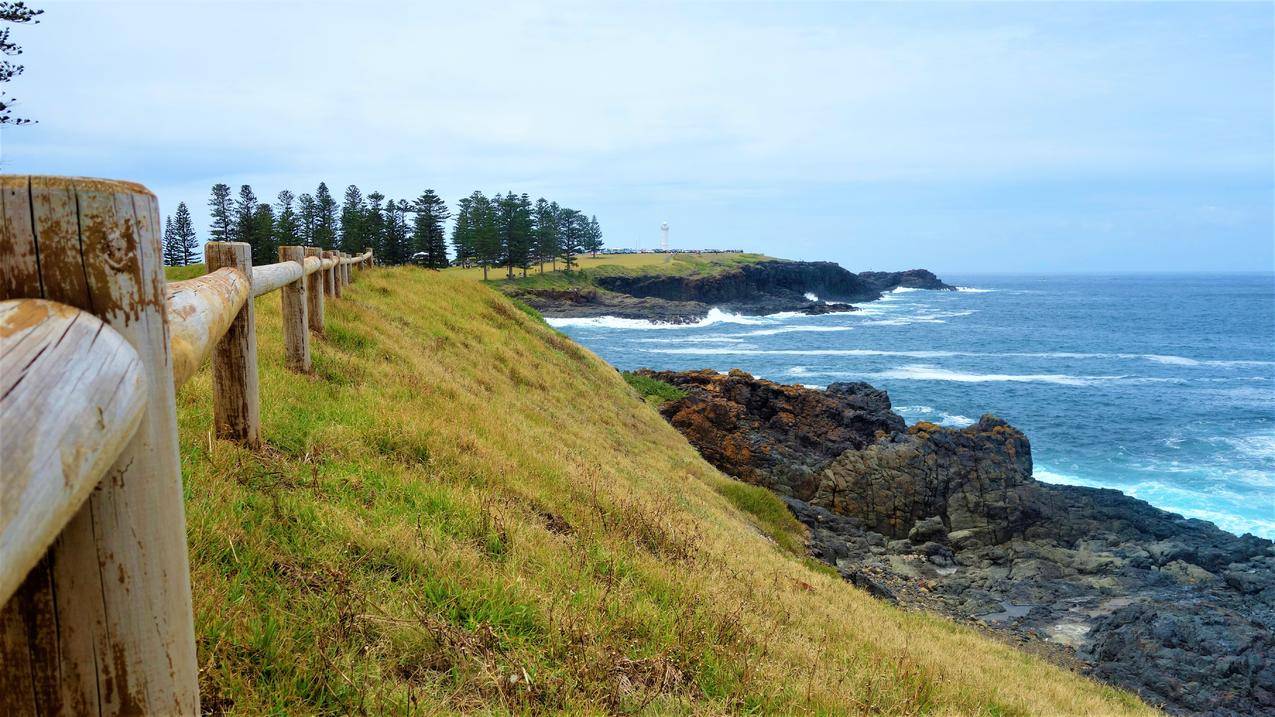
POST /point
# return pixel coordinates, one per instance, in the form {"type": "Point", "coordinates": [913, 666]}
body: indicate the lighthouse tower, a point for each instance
{"type": "Point", "coordinates": [664, 237]}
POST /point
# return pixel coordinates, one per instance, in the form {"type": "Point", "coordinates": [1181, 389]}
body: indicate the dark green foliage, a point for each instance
{"type": "Point", "coordinates": [652, 389]}
{"type": "Point", "coordinates": [222, 208]}
{"type": "Point", "coordinates": [477, 235]}
{"type": "Point", "coordinates": [354, 232]}
{"type": "Point", "coordinates": [396, 247]}
{"type": "Point", "coordinates": [261, 235]}
{"type": "Point", "coordinates": [463, 233]}
{"type": "Point", "coordinates": [325, 218]}
{"type": "Point", "coordinates": [245, 209]}
{"type": "Point", "coordinates": [17, 13]}
{"type": "Point", "coordinates": [186, 243]}
{"type": "Point", "coordinates": [170, 244]}
{"type": "Point", "coordinates": [592, 241]}
{"type": "Point", "coordinates": [288, 225]}
{"type": "Point", "coordinates": [428, 233]}
{"type": "Point", "coordinates": [307, 219]}
{"type": "Point", "coordinates": [375, 223]}
{"type": "Point", "coordinates": [546, 233]}
{"type": "Point", "coordinates": [571, 240]}
{"type": "Point", "coordinates": [514, 227]}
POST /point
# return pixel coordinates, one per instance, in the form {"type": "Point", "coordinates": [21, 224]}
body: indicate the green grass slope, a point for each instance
{"type": "Point", "coordinates": [462, 510]}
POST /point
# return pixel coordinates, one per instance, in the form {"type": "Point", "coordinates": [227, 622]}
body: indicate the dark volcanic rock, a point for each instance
{"type": "Point", "coordinates": [772, 434]}
{"type": "Point", "coordinates": [952, 521]}
{"type": "Point", "coordinates": [977, 478]}
{"type": "Point", "coordinates": [911, 279]}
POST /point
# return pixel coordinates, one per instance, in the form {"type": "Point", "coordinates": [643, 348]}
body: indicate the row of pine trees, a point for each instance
{"type": "Point", "coordinates": [505, 230]}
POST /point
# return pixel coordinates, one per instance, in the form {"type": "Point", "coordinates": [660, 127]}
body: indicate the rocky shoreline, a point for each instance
{"type": "Point", "coordinates": [767, 287]}
{"type": "Point", "coordinates": [952, 521]}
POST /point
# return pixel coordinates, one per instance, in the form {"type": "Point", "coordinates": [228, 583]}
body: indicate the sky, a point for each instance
{"type": "Point", "coordinates": [964, 138]}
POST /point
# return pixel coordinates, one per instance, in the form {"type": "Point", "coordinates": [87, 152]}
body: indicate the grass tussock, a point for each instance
{"type": "Point", "coordinates": [461, 510]}
{"type": "Point", "coordinates": [653, 390]}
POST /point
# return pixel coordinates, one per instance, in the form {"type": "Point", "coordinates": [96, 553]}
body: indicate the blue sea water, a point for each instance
{"type": "Point", "coordinates": [1162, 386]}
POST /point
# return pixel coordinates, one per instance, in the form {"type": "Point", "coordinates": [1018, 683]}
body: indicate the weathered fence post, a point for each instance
{"type": "Point", "coordinates": [329, 276]}
{"type": "Point", "coordinates": [236, 399]}
{"type": "Point", "coordinates": [345, 271]}
{"type": "Point", "coordinates": [296, 335]}
{"type": "Point", "coordinates": [103, 624]}
{"type": "Point", "coordinates": [314, 293]}
{"type": "Point", "coordinates": [337, 285]}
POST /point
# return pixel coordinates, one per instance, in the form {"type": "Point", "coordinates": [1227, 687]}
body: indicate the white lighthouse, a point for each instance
{"type": "Point", "coordinates": [664, 237]}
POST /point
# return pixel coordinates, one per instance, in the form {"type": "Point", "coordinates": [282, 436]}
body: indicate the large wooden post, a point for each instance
{"type": "Point", "coordinates": [314, 293]}
{"type": "Point", "coordinates": [103, 623]}
{"type": "Point", "coordinates": [329, 276]}
{"type": "Point", "coordinates": [296, 335]}
{"type": "Point", "coordinates": [345, 271]}
{"type": "Point", "coordinates": [236, 398]}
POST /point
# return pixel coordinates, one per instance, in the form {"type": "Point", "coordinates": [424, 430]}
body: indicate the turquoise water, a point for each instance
{"type": "Point", "coordinates": [1161, 386]}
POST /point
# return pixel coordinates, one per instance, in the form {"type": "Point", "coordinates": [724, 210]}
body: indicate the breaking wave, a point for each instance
{"type": "Point", "coordinates": [715, 316]}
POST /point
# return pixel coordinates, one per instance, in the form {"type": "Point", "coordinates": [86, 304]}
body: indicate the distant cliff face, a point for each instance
{"type": "Point", "coordinates": [767, 287]}
{"type": "Point", "coordinates": [771, 282]}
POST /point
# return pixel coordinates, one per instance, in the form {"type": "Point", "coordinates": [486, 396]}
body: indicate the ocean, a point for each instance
{"type": "Point", "coordinates": [1162, 386]}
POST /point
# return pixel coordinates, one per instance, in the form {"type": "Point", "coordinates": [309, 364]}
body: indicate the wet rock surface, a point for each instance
{"type": "Point", "coordinates": [952, 521]}
{"type": "Point", "coordinates": [767, 287]}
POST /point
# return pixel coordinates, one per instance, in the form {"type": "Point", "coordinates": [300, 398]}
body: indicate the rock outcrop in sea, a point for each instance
{"type": "Point", "coordinates": [766, 287]}
{"type": "Point", "coordinates": [952, 521]}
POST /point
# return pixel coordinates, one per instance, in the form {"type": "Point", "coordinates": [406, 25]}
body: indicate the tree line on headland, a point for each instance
{"type": "Point", "coordinates": [505, 230]}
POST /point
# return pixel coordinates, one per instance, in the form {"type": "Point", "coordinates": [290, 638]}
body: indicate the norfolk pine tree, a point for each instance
{"type": "Point", "coordinates": [463, 232]}
{"type": "Point", "coordinates": [353, 221]}
{"type": "Point", "coordinates": [428, 233]}
{"type": "Point", "coordinates": [287, 224]}
{"type": "Point", "coordinates": [222, 209]}
{"type": "Point", "coordinates": [171, 254]}
{"type": "Point", "coordinates": [184, 233]}
{"type": "Point", "coordinates": [307, 219]}
{"type": "Point", "coordinates": [245, 209]}
{"type": "Point", "coordinates": [325, 217]}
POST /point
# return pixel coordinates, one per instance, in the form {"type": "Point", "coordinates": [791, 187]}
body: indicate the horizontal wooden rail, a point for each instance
{"type": "Point", "coordinates": [199, 312]}
{"type": "Point", "coordinates": [72, 393]}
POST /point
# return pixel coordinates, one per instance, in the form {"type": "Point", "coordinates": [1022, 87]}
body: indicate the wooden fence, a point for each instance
{"type": "Point", "coordinates": [94, 342]}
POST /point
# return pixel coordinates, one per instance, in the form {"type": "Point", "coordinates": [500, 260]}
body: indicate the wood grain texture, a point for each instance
{"type": "Point", "coordinates": [72, 394]}
{"type": "Point", "coordinates": [314, 290]}
{"type": "Point", "coordinates": [200, 311]}
{"type": "Point", "coordinates": [103, 623]}
{"type": "Point", "coordinates": [236, 393]}
{"type": "Point", "coordinates": [296, 333]}
{"type": "Point", "coordinates": [271, 277]}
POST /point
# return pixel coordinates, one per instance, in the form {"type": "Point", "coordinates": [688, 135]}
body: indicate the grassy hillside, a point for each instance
{"type": "Point", "coordinates": [463, 510]}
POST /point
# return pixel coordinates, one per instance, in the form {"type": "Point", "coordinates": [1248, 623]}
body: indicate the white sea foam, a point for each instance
{"type": "Point", "coordinates": [973, 290]}
{"type": "Point", "coordinates": [924, 372]}
{"type": "Point", "coordinates": [693, 340]}
{"type": "Point", "coordinates": [930, 318]}
{"type": "Point", "coordinates": [735, 350]}
{"type": "Point", "coordinates": [810, 296]}
{"type": "Point", "coordinates": [1260, 446]}
{"type": "Point", "coordinates": [715, 316]}
{"type": "Point", "coordinates": [793, 330]}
